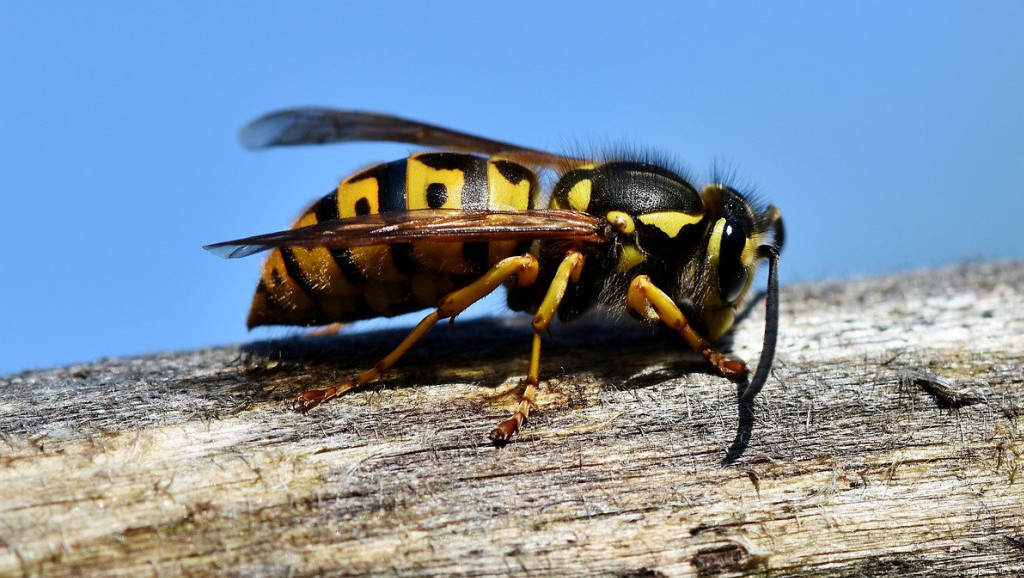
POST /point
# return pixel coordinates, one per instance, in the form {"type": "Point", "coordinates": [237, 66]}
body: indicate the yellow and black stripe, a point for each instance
{"type": "Point", "coordinates": [317, 286]}
{"type": "Point", "coordinates": [664, 209]}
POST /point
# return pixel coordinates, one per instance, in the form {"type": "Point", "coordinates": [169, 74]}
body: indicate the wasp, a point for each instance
{"type": "Point", "coordinates": [443, 228]}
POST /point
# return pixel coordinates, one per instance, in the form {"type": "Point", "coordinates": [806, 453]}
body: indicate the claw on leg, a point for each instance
{"type": "Point", "coordinates": [504, 431]}
{"type": "Point", "coordinates": [731, 369]}
{"type": "Point", "coordinates": [311, 398]}
{"type": "Point", "coordinates": [568, 272]}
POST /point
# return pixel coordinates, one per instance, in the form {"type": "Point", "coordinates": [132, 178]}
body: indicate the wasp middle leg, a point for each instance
{"type": "Point", "coordinates": [568, 271]}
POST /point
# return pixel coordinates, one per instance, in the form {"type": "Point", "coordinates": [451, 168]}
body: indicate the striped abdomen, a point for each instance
{"type": "Point", "coordinates": [317, 286]}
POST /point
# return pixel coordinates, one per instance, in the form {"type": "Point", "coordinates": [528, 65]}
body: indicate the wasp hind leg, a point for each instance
{"type": "Point", "coordinates": [643, 296]}
{"type": "Point", "coordinates": [524, 268]}
{"type": "Point", "coordinates": [568, 270]}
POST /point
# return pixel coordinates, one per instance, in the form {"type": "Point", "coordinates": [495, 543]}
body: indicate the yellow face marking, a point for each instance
{"type": "Point", "coordinates": [358, 198]}
{"type": "Point", "coordinates": [423, 184]}
{"type": "Point", "coordinates": [504, 195]}
{"type": "Point", "coordinates": [671, 222]}
{"type": "Point", "coordinates": [622, 222]}
{"type": "Point", "coordinates": [629, 258]}
{"type": "Point", "coordinates": [715, 244]}
{"type": "Point", "coordinates": [579, 195]}
{"type": "Point", "coordinates": [749, 254]}
{"type": "Point", "coordinates": [748, 257]}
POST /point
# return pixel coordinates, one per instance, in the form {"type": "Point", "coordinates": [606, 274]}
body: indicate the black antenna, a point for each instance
{"type": "Point", "coordinates": [771, 325]}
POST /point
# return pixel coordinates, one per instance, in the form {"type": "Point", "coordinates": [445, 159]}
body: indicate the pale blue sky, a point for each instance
{"type": "Point", "coordinates": [891, 134]}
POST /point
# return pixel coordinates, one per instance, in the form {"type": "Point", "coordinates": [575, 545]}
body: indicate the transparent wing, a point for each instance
{"type": "Point", "coordinates": [312, 125]}
{"type": "Point", "coordinates": [434, 225]}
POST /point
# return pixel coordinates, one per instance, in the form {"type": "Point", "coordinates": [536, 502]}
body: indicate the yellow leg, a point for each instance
{"type": "Point", "coordinates": [524, 267]}
{"type": "Point", "coordinates": [643, 295]}
{"type": "Point", "coordinates": [568, 270]}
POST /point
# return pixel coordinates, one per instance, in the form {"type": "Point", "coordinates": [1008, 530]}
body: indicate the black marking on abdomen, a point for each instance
{"type": "Point", "coordinates": [446, 161]}
{"type": "Point", "coordinates": [390, 179]}
{"type": "Point", "coordinates": [474, 173]}
{"type": "Point", "coordinates": [346, 262]}
{"type": "Point", "coordinates": [268, 295]}
{"type": "Point", "coordinates": [294, 270]}
{"type": "Point", "coordinates": [362, 206]}
{"type": "Point", "coordinates": [437, 195]}
{"type": "Point", "coordinates": [513, 172]}
{"type": "Point", "coordinates": [401, 256]}
{"type": "Point", "coordinates": [476, 254]}
{"type": "Point", "coordinates": [279, 281]}
{"type": "Point", "coordinates": [326, 209]}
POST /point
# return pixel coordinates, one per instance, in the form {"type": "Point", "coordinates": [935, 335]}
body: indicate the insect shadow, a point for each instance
{"type": "Point", "coordinates": [485, 351]}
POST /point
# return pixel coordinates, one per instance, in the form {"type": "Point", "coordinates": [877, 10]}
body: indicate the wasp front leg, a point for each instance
{"type": "Point", "coordinates": [643, 297]}
{"type": "Point", "coordinates": [524, 268]}
{"type": "Point", "coordinates": [568, 271]}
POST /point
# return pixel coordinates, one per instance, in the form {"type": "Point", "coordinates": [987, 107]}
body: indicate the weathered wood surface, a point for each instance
{"type": "Point", "coordinates": [858, 463]}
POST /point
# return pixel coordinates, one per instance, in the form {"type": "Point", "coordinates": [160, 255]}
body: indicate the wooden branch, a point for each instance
{"type": "Point", "coordinates": [887, 441]}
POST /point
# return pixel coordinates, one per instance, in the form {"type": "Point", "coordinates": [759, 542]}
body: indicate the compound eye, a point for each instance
{"type": "Point", "coordinates": [732, 275]}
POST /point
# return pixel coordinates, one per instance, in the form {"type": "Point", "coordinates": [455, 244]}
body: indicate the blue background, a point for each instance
{"type": "Point", "coordinates": [891, 134]}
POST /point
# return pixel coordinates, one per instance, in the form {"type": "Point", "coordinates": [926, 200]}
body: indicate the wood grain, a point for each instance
{"type": "Point", "coordinates": [887, 441]}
